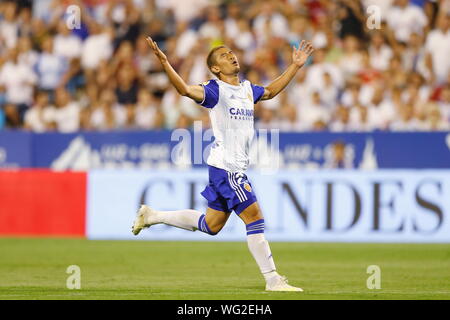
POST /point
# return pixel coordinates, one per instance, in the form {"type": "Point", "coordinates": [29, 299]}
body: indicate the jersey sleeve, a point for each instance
{"type": "Point", "coordinates": [211, 95]}
{"type": "Point", "coordinates": [258, 92]}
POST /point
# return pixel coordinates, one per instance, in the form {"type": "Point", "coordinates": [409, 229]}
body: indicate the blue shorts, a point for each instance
{"type": "Point", "coordinates": [228, 191]}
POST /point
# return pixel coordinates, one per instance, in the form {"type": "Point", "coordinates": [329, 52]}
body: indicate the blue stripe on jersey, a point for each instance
{"type": "Point", "coordinates": [255, 227]}
{"type": "Point", "coordinates": [211, 95]}
{"type": "Point", "coordinates": [258, 92]}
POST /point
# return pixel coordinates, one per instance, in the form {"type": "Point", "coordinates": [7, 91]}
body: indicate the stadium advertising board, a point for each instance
{"type": "Point", "coordinates": [357, 206]}
{"type": "Point", "coordinates": [167, 149]}
{"type": "Point", "coordinates": [42, 203]}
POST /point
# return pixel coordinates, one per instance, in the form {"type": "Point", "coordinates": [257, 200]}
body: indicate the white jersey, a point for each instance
{"type": "Point", "coordinates": [231, 111]}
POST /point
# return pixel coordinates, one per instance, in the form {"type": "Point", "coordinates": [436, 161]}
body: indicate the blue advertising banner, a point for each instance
{"type": "Point", "coordinates": [15, 149]}
{"type": "Point", "coordinates": [189, 149]}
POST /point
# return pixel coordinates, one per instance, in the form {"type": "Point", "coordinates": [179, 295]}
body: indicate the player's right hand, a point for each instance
{"type": "Point", "coordinates": [161, 56]}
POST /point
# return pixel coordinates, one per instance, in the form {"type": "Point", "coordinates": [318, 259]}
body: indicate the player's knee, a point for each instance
{"type": "Point", "coordinates": [215, 228]}
{"type": "Point", "coordinates": [251, 214]}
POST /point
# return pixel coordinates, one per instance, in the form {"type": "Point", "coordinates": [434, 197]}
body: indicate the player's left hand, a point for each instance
{"type": "Point", "coordinates": [300, 55]}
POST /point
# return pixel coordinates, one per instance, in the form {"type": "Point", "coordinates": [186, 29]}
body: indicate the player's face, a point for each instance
{"type": "Point", "coordinates": [227, 61]}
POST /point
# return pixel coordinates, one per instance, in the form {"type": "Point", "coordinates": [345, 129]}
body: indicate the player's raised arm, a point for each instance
{"type": "Point", "coordinates": [299, 57]}
{"type": "Point", "coordinates": [195, 92]}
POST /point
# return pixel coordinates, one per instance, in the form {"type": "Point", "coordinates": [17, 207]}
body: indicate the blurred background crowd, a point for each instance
{"type": "Point", "coordinates": [103, 76]}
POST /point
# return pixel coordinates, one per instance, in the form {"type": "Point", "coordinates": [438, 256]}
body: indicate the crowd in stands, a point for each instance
{"type": "Point", "coordinates": [56, 75]}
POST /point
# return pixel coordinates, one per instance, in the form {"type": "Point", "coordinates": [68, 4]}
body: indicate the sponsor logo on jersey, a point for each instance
{"type": "Point", "coordinates": [241, 112]}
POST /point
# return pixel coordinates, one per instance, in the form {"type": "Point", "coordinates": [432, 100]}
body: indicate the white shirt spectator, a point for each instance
{"type": "Point", "coordinates": [186, 42]}
{"type": "Point", "coordinates": [18, 80]}
{"type": "Point", "coordinates": [278, 26]}
{"type": "Point", "coordinates": [185, 10]}
{"type": "Point", "coordinates": [379, 59]}
{"type": "Point", "coordinates": [231, 28]}
{"type": "Point", "coordinates": [339, 126]}
{"type": "Point", "coordinates": [329, 96]}
{"type": "Point", "coordinates": [319, 40]}
{"type": "Point", "coordinates": [300, 94]}
{"type": "Point", "coordinates": [404, 21]}
{"type": "Point", "coordinates": [315, 77]}
{"type": "Point", "coordinates": [29, 58]}
{"type": "Point", "coordinates": [96, 48]}
{"type": "Point", "coordinates": [364, 96]}
{"type": "Point", "coordinates": [50, 69]}
{"type": "Point", "coordinates": [438, 45]}
{"type": "Point", "coordinates": [209, 31]}
{"type": "Point", "coordinates": [145, 117]}
{"type": "Point", "coordinates": [244, 38]}
{"type": "Point", "coordinates": [379, 117]}
{"type": "Point", "coordinates": [8, 33]}
{"type": "Point", "coordinates": [350, 64]}
{"type": "Point", "coordinates": [358, 122]}
{"type": "Point", "coordinates": [99, 121]}
{"type": "Point", "coordinates": [173, 105]}
{"type": "Point", "coordinates": [312, 113]}
{"type": "Point", "coordinates": [402, 125]}
{"type": "Point", "coordinates": [36, 119]}
{"type": "Point", "coordinates": [67, 46]}
{"type": "Point", "coordinates": [199, 71]}
{"type": "Point", "coordinates": [67, 118]}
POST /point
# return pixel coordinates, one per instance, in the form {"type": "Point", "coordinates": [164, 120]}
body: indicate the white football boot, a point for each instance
{"type": "Point", "coordinates": [143, 218]}
{"type": "Point", "coordinates": [280, 283]}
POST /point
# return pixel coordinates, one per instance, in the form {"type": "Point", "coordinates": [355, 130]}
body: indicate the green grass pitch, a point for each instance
{"type": "Point", "coordinates": [36, 269]}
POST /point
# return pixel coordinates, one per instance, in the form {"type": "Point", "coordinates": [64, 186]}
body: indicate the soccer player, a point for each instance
{"type": "Point", "coordinates": [230, 103]}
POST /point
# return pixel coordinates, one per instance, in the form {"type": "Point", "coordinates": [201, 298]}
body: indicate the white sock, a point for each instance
{"type": "Point", "coordinates": [259, 247]}
{"type": "Point", "coordinates": [184, 219]}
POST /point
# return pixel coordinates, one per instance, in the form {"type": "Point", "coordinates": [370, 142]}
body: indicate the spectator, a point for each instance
{"type": "Point", "coordinates": [66, 44]}
{"type": "Point", "coordinates": [404, 19]}
{"type": "Point", "coordinates": [351, 60]}
{"type": "Point", "coordinates": [97, 47]}
{"type": "Point", "coordinates": [407, 120]}
{"type": "Point", "coordinates": [27, 55]}
{"type": "Point", "coordinates": [315, 75]}
{"type": "Point", "coordinates": [40, 116]}
{"type": "Point", "coordinates": [380, 53]}
{"type": "Point", "coordinates": [50, 67]}
{"type": "Point", "coordinates": [67, 113]}
{"type": "Point", "coordinates": [106, 115]}
{"type": "Point", "coordinates": [269, 22]}
{"type": "Point", "coordinates": [148, 114]}
{"type": "Point", "coordinates": [359, 120]}
{"type": "Point", "coordinates": [380, 111]}
{"type": "Point", "coordinates": [341, 120]}
{"type": "Point", "coordinates": [127, 85]}
{"type": "Point", "coordinates": [314, 113]}
{"type": "Point", "coordinates": [18, 79]}
{"type": "Point", "coordinates": [437, 48]}
{"type": "Point", "coordinates": [9, 26]}
{"type": "Point", "coordinates": [414, 56]}
{"type": "Point", "coordinates": [435, 120]}
{"type": "Point", "coordinates": [108, 62]}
